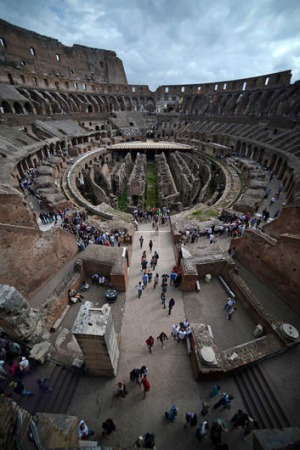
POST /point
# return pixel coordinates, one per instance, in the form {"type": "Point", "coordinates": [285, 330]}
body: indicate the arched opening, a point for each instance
{"type": "Point", "coordinates": [6, 107]}
{"type": "Point", "coordinates": [18, 108]}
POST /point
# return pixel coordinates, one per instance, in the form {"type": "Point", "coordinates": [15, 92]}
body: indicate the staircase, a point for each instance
{"type": "Point", "coordinates": [63, 381]}
{"type": "Point", "coordinates": [261, 403]}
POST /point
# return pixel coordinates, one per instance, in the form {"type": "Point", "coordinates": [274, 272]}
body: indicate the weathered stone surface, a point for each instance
{"type": "Point", "coordinates": [17, 318]}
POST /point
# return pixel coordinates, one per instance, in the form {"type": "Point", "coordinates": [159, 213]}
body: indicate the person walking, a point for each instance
{"type": "Point", "coordinates": [121, 389]}
{"type": "Point", "coordinates": [140, 289]}
{"type": "Point", "coordinates": [173, 276]}
{"type": "Point", "coordinates": [135, 375]}
{"type": "Point", "coordinates": [156, 279]}
{"type": "Point", "coordinates": [216, 430]}
{"type": "Point", "coordinates": [143, 371]}
{"type": "Point", "coordinates": [224, 401]}
{"type": "Point", "coordinates": [83, 431]}
{"type": "Point", "coordinates": [19, 389]}
{"type": "Point", "coordinates": [150, 245]}
{"type": "Point", "coordinates": [44, 384]}
{"type": "Point", "coordinates": [162, 337]}
{"type": "Point", "coordinates": [215, 390]}
{"type": "Point", "coordinates": [171, 306]}
{"type": "Point", "coordinates": [146, 385]}
{"type": "Point", "coordinates": [163, 298]}
{"type": "Point", "coordinates": [231, 312]}
{"type": "Point", "coordinates": [150, 343]}
{"type": "Point", "coordinates": [145, 279]}
{"type": "Point", "coordinates": [108, 427]}
{"type": "Point", "coordinates": [141, 241]}
{"type": "Point", "coordinates": [190, 419]}
{"type": "Point", "coordinates": [172, 413]}
{"type": "Point", "coordinates": [230, 302]}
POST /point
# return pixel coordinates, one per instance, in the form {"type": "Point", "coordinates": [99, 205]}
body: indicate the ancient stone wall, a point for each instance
{"type": "Point", "coordinates": [120, 173]}
{"type": "Point", "coordinates": [31, 53]}
{"type": "Point", "coordinates": [166, 187]}
{"type": "Point", "coordinates": [136, 183]}
{"type": "Point", "coordinates": [186, 182]}
{"type": "Point", "coordinates": [27, 263]}
{"type": "Point", "coordinates": [268, 258]}
{"type": "Point", "coordinates": [17, 319]}
{"type": "Point", "coordinates": [98, 192]}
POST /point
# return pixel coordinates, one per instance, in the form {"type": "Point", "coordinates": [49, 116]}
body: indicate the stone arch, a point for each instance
{"type": "Point", "coordinates": [93, 102]}
{"type": "Point", "coordinates": [135, 103]}
{"type": "Point", "coordinates": [18, 108]}
{"type": "Point", "coordinates": [127, 102]}
{"type": "Point", "coordinates": [150, 104]}
{"type": "Point", "coordinates": [121, 103]}
{"type": "Point", "coordinates": [76, 102]}
{"type": "Point", "coordinates": [28, 107]}
{"type": "Point", "coordinates": [113, 104]}
{"type": "Point", "coordinates": [7, 109]}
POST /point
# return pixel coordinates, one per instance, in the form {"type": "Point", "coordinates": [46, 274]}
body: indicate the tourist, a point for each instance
{"type": "Point", "coordinates": [224, 401]}
{"type": "Point", "coordinates": [141, 241]}
{"type": "Point", "coordinates": [19, 389]}
{"type": "Point", "coordinates": [108, 427]}
{"type": "Point", "coordinates": [83, 431]}
{"type": "Point", "coordinates": [216, 429]}
{"type": "Point", "coordinates": [140, 289]}
{"type": "Point", "coordinates": [156, 279]}
{"type": "Point", "coordinates": [43, 384]}
{"type": "Point", "coordinates": [145, 279]}
{"type": "Point", "coordinates": [150, 343]}
{"type": "Point", "coordinates": [121, 389]}
{"type": "Point", "coordinates": [163, 298]}
{"type": "Point", "coordinates": [202, 431]}
{"type": "Point", "coordinates": [150, 245]}
{"type": "Point", "coordinates": [173, 276]}
{"type": "Point", "coordinates": [190, 419]}
{"type": "Point", "coordinates": [146, 385]}
{"type": "Point", "coordinates": [231, 311]}
{"type": "Point", "coordinates": [171, 415]}
{"type": "Point", "coordinates": [135, 375]}
{"type": "Point", "coordinates": [229, 303]}
{"type": "Point", "coordinates": [171, 306]}
{"type": "Point", "coordinates": [215, 391]}
{"type": "Point", "coordinates": [24, 365]}
{"type": "Point", "coordinates": [162, 337]}
{"type": "Point", "coordinates": [95, 278]}
{"type": "Point", "coordinates": [143, 371]}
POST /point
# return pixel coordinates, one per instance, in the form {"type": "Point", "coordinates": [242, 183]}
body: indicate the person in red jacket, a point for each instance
{"type": "Point", "coordinates": [150, 343]}
{"type": "Point", "coordinates": [146, 385]}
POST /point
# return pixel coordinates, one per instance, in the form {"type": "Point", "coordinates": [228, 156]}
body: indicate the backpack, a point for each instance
{"type": "Point", "coordinates": [134, 374]}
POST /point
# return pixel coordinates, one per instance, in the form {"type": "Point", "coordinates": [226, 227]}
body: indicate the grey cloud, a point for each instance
{"type": "Point", "coordinates": [174, 41]}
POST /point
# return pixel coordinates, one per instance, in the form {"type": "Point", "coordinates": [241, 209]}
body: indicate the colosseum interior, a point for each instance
{"type": "Point", "coordinates": [75, 136]}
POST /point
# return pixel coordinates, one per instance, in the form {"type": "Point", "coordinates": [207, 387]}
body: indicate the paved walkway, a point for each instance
{"type": "Point", "coordinates": [170, 373]}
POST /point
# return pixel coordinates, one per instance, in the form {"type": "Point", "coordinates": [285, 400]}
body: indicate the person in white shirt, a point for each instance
{"type": "Point", "coordinates": [83, 431]}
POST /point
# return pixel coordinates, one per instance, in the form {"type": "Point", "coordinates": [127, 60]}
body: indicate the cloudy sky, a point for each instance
{"type": "Point", "coordinates": [174, 41]}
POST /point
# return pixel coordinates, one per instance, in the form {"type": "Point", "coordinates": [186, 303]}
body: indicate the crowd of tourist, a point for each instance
{"type": "Point", "coordinates": [14, 367]}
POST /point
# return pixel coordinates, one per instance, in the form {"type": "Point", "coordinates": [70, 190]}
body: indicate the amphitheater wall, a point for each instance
{"type": "Point", "coordinates": [287, 222]}
{"type": "Point", "coordinates": [15, 211]}
{"type": "Point", "coordinates": [275, 263]}
{"type": "Point", "coordinates": [33, 53]}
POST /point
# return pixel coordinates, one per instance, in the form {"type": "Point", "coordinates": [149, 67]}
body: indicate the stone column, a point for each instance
{"type": "Point", "coordinates": [95, 334]}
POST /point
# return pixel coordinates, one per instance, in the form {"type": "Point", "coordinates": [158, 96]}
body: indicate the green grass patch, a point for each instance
{"type": "Point", "coordinates": [204, 215]}
{"type": "Point", "coordinates": [151, 200]}
{"type": "Point", "coordinates": [122, 203]}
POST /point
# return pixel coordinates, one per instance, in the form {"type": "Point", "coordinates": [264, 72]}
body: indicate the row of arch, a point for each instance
{"type": "Point", "coordinates": [51, 102]}
{"type": "Point", "coordinates": [228, 144]}
{"type": "Point", "coordinates": [271, 102]}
